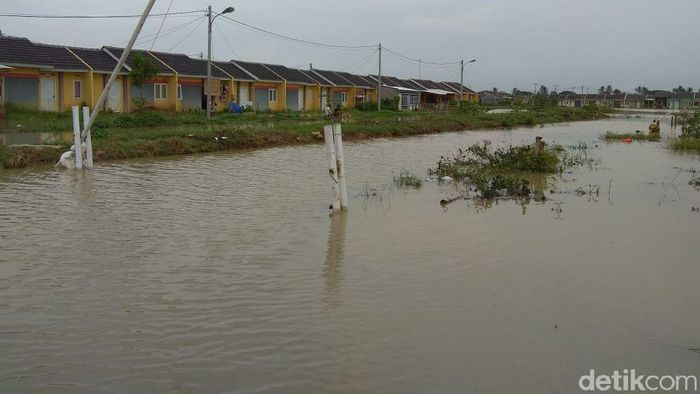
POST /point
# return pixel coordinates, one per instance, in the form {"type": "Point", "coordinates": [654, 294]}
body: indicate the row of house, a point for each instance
{"type": "Point", "coordinates": [653, 100]}
{"type": "Point", "coordinates": [54, 78]}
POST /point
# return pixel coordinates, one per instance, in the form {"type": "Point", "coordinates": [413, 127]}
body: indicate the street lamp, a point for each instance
{"type": "Point", "coordinates": [227, 10]}
{"type": "Point", "coordinates": [461, 79]}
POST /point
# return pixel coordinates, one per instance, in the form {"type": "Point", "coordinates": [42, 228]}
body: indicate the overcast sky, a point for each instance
{"type": "Point", "coordinates": [624, 43]}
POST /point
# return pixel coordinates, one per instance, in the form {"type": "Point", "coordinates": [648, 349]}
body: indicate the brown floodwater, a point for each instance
{"type": "Point", "coordinates": [225, 273]}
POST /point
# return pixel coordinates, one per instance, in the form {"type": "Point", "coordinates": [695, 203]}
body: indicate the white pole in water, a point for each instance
{"type": "Point", "coordinates": [88, 139]}
{"type": "Point", "coordinates": [338, 141]}
{"type": "Point", "coordinates": [332, 166]}
{"type": "Point", "coordinates": [117, 69]}
{"type": "Point", "coordinates": [77, 141]}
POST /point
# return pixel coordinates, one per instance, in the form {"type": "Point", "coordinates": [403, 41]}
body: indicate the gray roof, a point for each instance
{"type": "Point", "coordinates": [357, 80]}
{"type": "Point", "coordinates": [291, 74]}
{"type": "Point", "coordinates": [455, 87]}
{"type": "Point", "coordinates": [97, 59]}
{"type": "Point", "coordinates": [117, 52]}
{"type": "Point", "coordinates": [187, 66]}
{"type": "Point", "coordinates": [235, 71]}
{"type": "Point", "coordinates": [332, 77]}
{"type": "Point", "coordinates": [316, 78]}
{"type": "Point", "coordinates": [17, 51]}
{"type": "Point", "coordinates": [260, 72]}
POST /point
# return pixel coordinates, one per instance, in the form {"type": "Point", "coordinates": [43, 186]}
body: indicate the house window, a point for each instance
{"type": "Point", "coordinates": [273, 94]}
{"type": "Point", "coordinates": [77, 89]}
{"type": "Point", "coordinates": [160, 91]}
{"type": "Point", "coordinates": [179, 92]}
{"type": "Point", "coordinates": [344, 97]}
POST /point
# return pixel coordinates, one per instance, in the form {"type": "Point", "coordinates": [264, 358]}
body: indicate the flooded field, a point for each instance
{"type": "Point", "coordinates": [225, 273]}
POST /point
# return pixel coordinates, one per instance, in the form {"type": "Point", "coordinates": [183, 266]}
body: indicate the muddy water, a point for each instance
{"type": "Point", "coordinates": [224, 273]}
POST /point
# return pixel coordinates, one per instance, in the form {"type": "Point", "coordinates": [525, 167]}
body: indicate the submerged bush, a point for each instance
{"type": "Point", "coordinates": [610, 136]}
{"type": "Point", "coordinates": [406, 179]}
{"type": "Point", "coordinates": [492, 171]}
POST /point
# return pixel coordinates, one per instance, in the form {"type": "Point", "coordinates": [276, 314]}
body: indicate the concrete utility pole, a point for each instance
{"type": "Point", "coordinates": [211, 21]}
{"type": "Point", "coordinates": [208, 90]}
{"type": "Point", "coordinates": [420, 76]}
{"type": "Point", "coordinates": [461, 79]}
{"type": "Point", "coordinates": [379, 80]}
{"type": "Point", "coordinates": [117, 69]}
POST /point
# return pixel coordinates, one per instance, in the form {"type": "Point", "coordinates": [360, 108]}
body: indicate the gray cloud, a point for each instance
{"type": "Point", "coordinates": [517, 43]}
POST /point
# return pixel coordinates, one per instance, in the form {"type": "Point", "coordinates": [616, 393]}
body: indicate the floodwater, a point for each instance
{"type": "Point", "coordinates": [225, 273]}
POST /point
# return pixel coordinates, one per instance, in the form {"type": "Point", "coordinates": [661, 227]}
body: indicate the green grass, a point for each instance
{"type": "Point", "coordinates": [686, 143]}
{"type": "Point", "coordinates": [610, 136]}
{"type": "Point", "coordinates": [499, 172]}
{"type": "Point", "coordinates": [156, 133]}
{"type": "Point", "coordinates": [406, 179]}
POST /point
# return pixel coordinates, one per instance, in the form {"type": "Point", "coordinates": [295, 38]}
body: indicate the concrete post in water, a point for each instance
{"type": "Point", "coordinates": [88, 139]}
{"type": "Point", "coordinates": [338, 141]}
{"type": "Point", "coordinates": [332, 166]}
{"type": "Point", "coordinates": [77, 141]}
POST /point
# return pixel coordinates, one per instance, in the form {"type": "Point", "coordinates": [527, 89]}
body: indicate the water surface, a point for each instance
{"type": "Point", "coordinates": [225, 273]}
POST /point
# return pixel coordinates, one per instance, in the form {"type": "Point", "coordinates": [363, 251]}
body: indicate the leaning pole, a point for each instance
{"type": "Point", "coordinates": [120, 63]}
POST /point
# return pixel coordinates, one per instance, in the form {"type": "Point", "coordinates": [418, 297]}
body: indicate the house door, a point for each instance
{"type": "Point", "coordinates": [243, 98]}
{"type": "Point", "coordinates": [48, 94]}
{"type": "Point", "coordinates": [114, 100]}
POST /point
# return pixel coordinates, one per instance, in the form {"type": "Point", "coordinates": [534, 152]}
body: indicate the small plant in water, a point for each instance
{"type": "Point", "coordinates": [495, 172]}
{"type": "Point", "coordinates": [406, 179]}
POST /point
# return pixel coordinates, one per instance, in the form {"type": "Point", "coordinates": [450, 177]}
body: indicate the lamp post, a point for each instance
{"type": "Point", "coordinates": [227, 10]}
{"type": "Point", "coordinates": [461, 79]}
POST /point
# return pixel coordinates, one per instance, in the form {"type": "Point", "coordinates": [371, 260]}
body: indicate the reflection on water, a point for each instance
{"type": "Point", "coordinates": [224, 272]}
{"type": "Point", "coordinates": [332, 269]}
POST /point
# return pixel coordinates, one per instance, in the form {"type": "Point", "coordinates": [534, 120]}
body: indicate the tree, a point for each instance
{"type": "Point", "coordinates": [142, 70]}
{"type": "Point", "coordinates": [495, 90]}
{"type": "Point", "coordinates": [679, 89]}
{"type": "Point", "coordinates": [543, 90]}
{"type": "Point", "coordinates": [601, 89]}
{"type": "Point", "coordinates": [608, 89]}
{"type": "Point", "coordinates": [617, 91]}
{"type": "Point", "coordinates": [690, 90]}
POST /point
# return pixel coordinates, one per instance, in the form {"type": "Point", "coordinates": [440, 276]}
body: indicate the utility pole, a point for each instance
{"type": "Point", "coordinates": [379, 80]}
{"type": "Point", "coordinates": [535, 85]}
{"type": "Point", "coordinates": [461, 82]}
{"type": "Point", "coordinates": [208, 90]}
{"type": "Point", "coordinates": [227, 10]}
{"type": "Point", "coordinates": [122, 59]}
{"type": "Point", "coordinates": [420, 76]}
{"type": "Point", "coordinates": [461, 78]}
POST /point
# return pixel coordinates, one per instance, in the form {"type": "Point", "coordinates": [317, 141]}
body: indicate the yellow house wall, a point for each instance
{"type": "Point", "coordinates": [282, 97]}
{"type": "Point", "coordinates": [278, 105]}
{"type": "Point", "coordinates": [171, 102]}
{"type": "Point", "coordinates": [311, 98]}
{"type": "Point", "coordinates": [219, 104]}
{"type": "Point", "coordinates": [67, 90]}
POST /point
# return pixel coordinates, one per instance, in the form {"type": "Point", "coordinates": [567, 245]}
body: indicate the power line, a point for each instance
{"type": "Point", "coordinates": [188, 35]}
{"type": "Point", "coordinates": [419, 60]}
{"type": "Point", "coordinates": [165, 32]}
{"type": "Point", "coordinates": [43, 16]}
{"type": "Point", "coordinates": [161, 24]}
{"type": "Point", "coordinates": [357, 65]}
{"type": "Point", "coordinates": [297, 40]}
{"type": "Point", "coordinates": [226, 41]}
